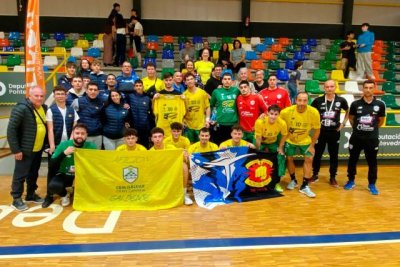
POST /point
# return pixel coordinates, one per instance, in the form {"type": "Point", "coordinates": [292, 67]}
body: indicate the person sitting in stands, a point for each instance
{"type": "Point", "coordinates": [185, 54]}
{"type": "Point", "coordinates": [237, 56]}
{"type": "Point", "coordinates": [84, 67]}
{"type": "Point", "coordinates": [224, 57]}
{"type": "Point", "coordinates": [204, 66]}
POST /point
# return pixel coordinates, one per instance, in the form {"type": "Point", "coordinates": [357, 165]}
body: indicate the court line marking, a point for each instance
{"type": "Point", "coordinates": [196, 245]}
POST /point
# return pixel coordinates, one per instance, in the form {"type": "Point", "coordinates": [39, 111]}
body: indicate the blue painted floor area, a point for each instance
{"type": "Point", "coordinates": [199, 244]}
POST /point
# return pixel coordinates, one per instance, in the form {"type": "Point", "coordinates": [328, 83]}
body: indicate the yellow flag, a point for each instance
{"type": "Point", "coordinates": [128, 180]}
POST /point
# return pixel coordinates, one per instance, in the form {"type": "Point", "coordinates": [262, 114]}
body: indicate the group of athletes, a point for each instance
{"type": "Point", "coordinates": [232, 115]}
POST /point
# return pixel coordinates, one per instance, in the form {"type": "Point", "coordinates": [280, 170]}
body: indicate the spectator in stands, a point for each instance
{"type": "Point", "coordinates": [348, 48]}
{"type": "Point", "coordinates": [142, 117]}
{"type": "Point", "coordinates": [301, 119]}
{"type": "Point", "coordinates": [127, 78]}
{"type": "Point", "coordinates": [114, 120]}
{"type": "Point", "coordinates": [190, 69]}
{"type": "Point", "coordinates": [197, 109]}
{"type": "Point", "coordinates": [84, 67]}
{"type": "Point", "coordinates": [243, 75]}
{"type": "Point", "coordinates": [250, 107]}
{"type": "Point", "coordinates": [204, 145]}
{"type": "Point", "coordinates": [136, 34]}
{"type": "Point", "coordinates": [76, 90]}
{"type": "Point", "coordinates": [108, 42]}
{"type": "Point", "coordinates": [204, 66]}
{"type": "Point", "coordinates": [97, 76]}
{"type": "Point", "coordinates": [329, 107]}
{"type": "Point", "coordinates": [185, 54]}
{"type": "Point", "coordinates": [237, 56]}
{"type": "Point", "coordinates": [260, 83]}
{"type": "Point", "coordinates": [223, 100]}
{"type": "Point", "coordinates": [115, 10]}
{"type": "Point", "coordinates": [130, 138]}
{"type": "Point", "coordinates": [206, 46]}
{"type": "Point", "coordinates": [214, 81]}
{"type": "Point", "coordinates": [120, 25]}
{"type": "Point", "coordinates": [62, 165]}
{"type": "Point", "coordinates": [89, 109]}
{"type": "Point", "coordinates": [60, 121]}
{"type": "Point", "coordinates": [178, 82]}
{"type": "Point", "coordinates": [294, 81]}
{"type": "Point", "coordinates": [151, 83]}
{"type": "Point", "coordinates": [224, 57]}
{"type": "Point", "coordinates": [26, 134]}
{"type": "Point", "coordinates": [237, 139]}
{"type": "Point", "coordinates": [66, 79]}
{"type": "Point", "coordinates": [366, 116]}
{"type": "Point", "coordinates": [275, 95]}
{"type": "Point", "coordinates": [364, 44]}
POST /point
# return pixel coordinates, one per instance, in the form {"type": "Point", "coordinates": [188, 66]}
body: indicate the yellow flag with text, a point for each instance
{"type": "Point", "coordinates": [128, 180]}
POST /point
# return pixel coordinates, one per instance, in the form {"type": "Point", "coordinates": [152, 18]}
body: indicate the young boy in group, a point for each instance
{"type": "Point", "coordinates": [204, 145]}
{"type": "Point", "coordinates": [76, 90]}
{"type": "Point", "coordinates": [131, 138]}
{"type": "Point", "coordinates": [66, 80]}
{"type": "Point", "coordinates": [157, 137]}
{"type": "Point", "coordinates": [270, 134]}
{"type": "Point", "coordinates": [97, 76]}
{"type": "Point", "coordinates": [177, 139]}
{"type": "Point", "coordinates": [237, 139]}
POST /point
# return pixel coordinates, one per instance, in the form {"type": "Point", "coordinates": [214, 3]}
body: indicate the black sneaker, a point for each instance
{"type": "Point", "coordinates": [34, 198]}
{"type": "Point", "coordinates": [314, 178]}
{"type": "Point", "coordinates": [48, 200]}
{"type": "Point", "coordinates": [19, 205]}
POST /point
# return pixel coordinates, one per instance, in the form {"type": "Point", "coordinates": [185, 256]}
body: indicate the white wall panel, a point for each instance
{"type": "Point", "coordinates": [8, 8]}
{"type": "Point", "coordinates": [376, 15]}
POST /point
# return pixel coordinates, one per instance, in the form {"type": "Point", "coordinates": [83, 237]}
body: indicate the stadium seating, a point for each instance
{"type": "Point", "coordinates": [391, 120]}
{"type": "Point", "coordinates": [390, 101]}
{"type": "Point", "coordinates": [312, 87]}
{"type": "Point", "coordinates": [390, 87]}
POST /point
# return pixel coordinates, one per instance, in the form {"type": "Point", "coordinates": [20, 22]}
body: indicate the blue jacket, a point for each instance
{"type": "Point", "coordinates": [65, 82]}
{"type": "Point", "coordinates": [58, 122]}
{"type": "Point", "coordinates": [71, 96]}
{"type": "Point", "coordinates": [114, 117]}
{"type": "Point", "coordinates": [100, 79]}
{"type": "Point", "coordinates": [121, 79]}
{"type": "Point", "coordinates": [141, 111]}
{"type": "Point", "coordinates": [89, 111]}
{"type": "Point", "coordinates": [367, 38]}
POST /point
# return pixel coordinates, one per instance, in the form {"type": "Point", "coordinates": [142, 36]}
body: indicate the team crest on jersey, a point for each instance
{"type": "Point", "coordinates": [252, 102]}
{"type": "Point", "coordinates": [337, 104]}
{"type": "Point", "coordinates": [279, 96]}
{"type": "Point", "coordinates": [130, 174]}
{"type": "Point", "coordinates": [376, 108]}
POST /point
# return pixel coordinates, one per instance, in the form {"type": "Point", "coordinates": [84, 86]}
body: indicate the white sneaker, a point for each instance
{"type": "Point", "coordinates": [292, 185]}
{"type": "Point", "coordinates": [307, 191]}
{"type": "Point", "coordinates": [188, 200]}
{"type": "Point", "coordinates": [65, 201]}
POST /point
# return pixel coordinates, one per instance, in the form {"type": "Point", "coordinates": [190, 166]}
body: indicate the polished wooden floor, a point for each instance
{"type": "Point", "coordinates": [333, 211]}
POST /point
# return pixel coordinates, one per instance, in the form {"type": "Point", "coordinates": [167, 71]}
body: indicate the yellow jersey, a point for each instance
{"type": "Point", "coordinates": [183, 142]}
{"type": "Point", "coordinates": [229, 143]}
{"type": "Point", "coordinates": [124, 147]}
{"type": "Point", "coordinates": [300, 124]}
{"type": "Point", "coordinates": [269, 132]}
{"type": "Point", "coordinates": [147, 83]}
{"type": "Point", "coordinates": [196, 105]}
{"type": "Point", "coordinates": [168, 109]}
{"type": "Point", "coordinates": [40, 129]}
{"type": "Point", "coordinates": [197, 148]}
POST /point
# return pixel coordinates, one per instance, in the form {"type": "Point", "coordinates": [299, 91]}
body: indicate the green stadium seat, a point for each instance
{"type": "Point", "coordinates": [297, 42]}
{"type": "Point", "coordinates": [134, 62]}
{"type": "Point", "coordinates": [390, 75]}
{"type": "Point", "coordinates": [320, 75]}
{"type": "Point", "coordinates": [166, 70]}
{"type": "Point", "coordinates": [326, 65]}
{"type": "Point", "coordinates": [226, 39]}
{"type": "Point", "coordinates": [391, 120]}
{"type": "Point", "coordinates": [44, 36]}
{"type": "Point", "coordinates": [390, 87]}
{"type": "Point", "coordinates": [283, 55]}
{"type": "Point", "coordinates": [89, 36]}
{"type": "Point", "coordinates": [67, 43]}
{"type": "Point", "coordinates": [291, 48]}
{"type": "Point", "coordinates": [390, 101]}
{"type": "Point", "coordinates": [312, 87]}
{"type": "Point", "coordinates": [273, 64]}
{"type": "Point", "coordinates": [13, 60]}
{"type": "Point", "coordinates": [182, 39]}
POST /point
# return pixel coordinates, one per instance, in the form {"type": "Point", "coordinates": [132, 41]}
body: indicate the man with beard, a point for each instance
{"type": "Point", "coordinates": [62, 166]}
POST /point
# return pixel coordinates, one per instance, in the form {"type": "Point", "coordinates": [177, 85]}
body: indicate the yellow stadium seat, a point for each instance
{"type": "Point", "coordinates": [3, 68]}
{"type": "Point", "coordinates": [84, 44]}
{"type": "Point", "coordinates": [59, 50]}
{"type": "Point", "coordinates": [242, 40]}
{"type": "Point", "coordinates": [215, 54]}
{"type": "Point", "coordinates": [230, 46]}
{"type": "Point", "coordinates": [100, 36]}
{"type": "Point", "coordinates": [338, 75]}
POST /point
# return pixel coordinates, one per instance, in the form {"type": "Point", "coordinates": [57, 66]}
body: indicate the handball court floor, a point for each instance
{"type": "Point", "coordinates": [337, 228]}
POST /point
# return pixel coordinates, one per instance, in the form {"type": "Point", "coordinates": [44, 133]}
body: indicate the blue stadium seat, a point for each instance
{"type": "Point", "coordinates": [306, 48]}
{"type": "Point", "coordinates": [269, 40]}
{"type": "Point", "coordinates": [261, 48]}
{"type": "Point", "coordinates": [168, 54]}
{"type": "Point", "coordinates": [197, 40]}
{"type": "Point", "coordinates": [312, 42]}
{"type": "Point", "coordinates": [94, 52]}
{"type": "Point", "coordinates": [148, 60]}
{"type": "Point", "coordinates": [14, 36]}
{"type": "Point", "coordinates": [59, 36]}
{"type": "Point", "coordinates": [298, 55]}
{"type": "Point", "coordinates": [152, 38]}
{"type": "Point", "coordinates": [290, 64]}
{"type": "Point", "coordinates": [282, 75]}
{"type": "Point", "coordinates": [251, 55]}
